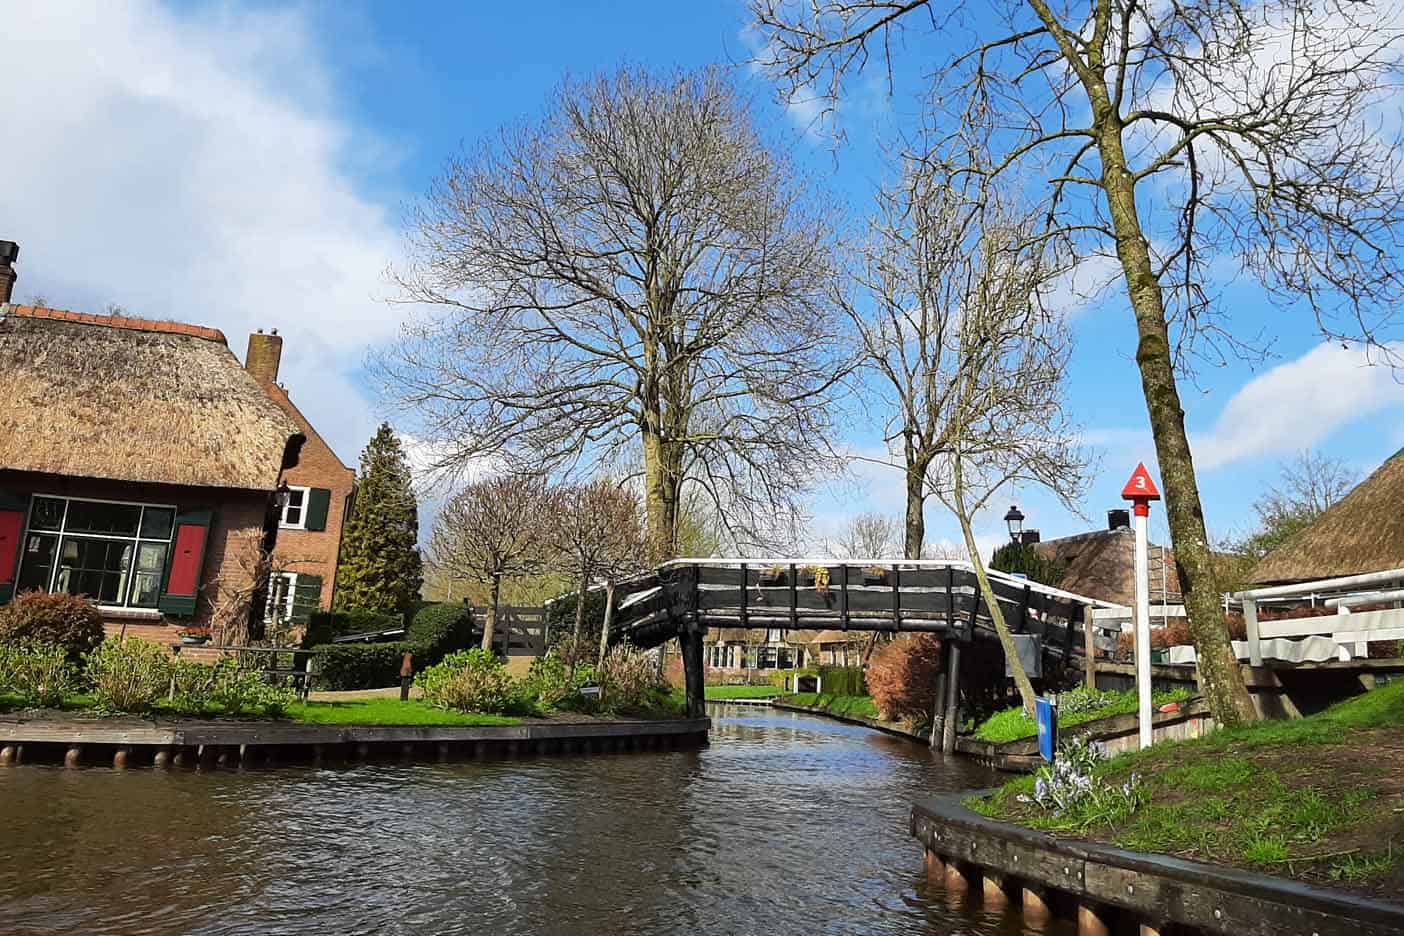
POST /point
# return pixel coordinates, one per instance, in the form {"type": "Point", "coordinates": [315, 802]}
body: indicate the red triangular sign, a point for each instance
{"type": "Point", "coordinates": [1140, 487]}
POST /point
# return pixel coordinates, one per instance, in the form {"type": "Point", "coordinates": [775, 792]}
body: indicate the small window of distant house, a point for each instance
{"type": "Point", "coordinates": [295, 510]}
{"type": "Point", "coordinates": [282, 588]}
{"type": "Point", "coordinates": [114, 553]}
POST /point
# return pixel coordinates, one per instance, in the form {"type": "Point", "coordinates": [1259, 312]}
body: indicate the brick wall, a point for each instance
{"type": "Point", "coordinates": [231, 551]}
{"type": "Point", "coordinates": [314, 551]}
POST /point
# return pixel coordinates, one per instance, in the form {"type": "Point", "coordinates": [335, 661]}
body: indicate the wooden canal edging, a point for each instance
{"type": "Point", "coordinates": [1108, 888]}
{"type": "Point", "coordinates": [132, 742]}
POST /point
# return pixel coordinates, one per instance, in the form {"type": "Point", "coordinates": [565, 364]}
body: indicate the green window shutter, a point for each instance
{"type": "Point", "coordinates": [307, 598]}
{"type": "Point", "coordinates": [13, 510]}
{"type": "Point", "coordinates": [180, 592]}
{"type": "Point", "coordinates": [318, 502]}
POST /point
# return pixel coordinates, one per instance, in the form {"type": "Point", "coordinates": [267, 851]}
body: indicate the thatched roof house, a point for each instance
{"type": "Point", "coordinates": [1102, 564]}
{"type": "Point", "coordinates": [133, 400]}
{"type": "Point", "coordinates": [139, 467]}
{"type": "Point", "coordinates": [1362, 532]}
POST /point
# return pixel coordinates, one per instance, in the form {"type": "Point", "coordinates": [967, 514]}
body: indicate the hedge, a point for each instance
{"type": "Point", "coordinates": [360, 666]}
{"type": "Point", "coordinates": [438, 630]}
{"type": "Point", "coordinates": [325, 626]}
{"type": "Point", "coordinates": [842, 680]}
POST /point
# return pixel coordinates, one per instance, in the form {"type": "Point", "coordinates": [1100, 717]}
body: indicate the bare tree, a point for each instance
{"type": "Point", "coordinates": [1311, 483]}
{"type": "Point", "coordinates": [869, 536]}
{"type": "Point", "coordinates": [1166, 137]}
{"type": "Point", "coordinates": [1004, 419]}
{"type": "Point", "coordinates": [600, 537]}
{"type": "Point", "coordinates": [492, 530]}
{"type": "Point", "coordinates": [639, 272]}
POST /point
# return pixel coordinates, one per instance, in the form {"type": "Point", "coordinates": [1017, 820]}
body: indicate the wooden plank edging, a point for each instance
{"type": "Point", "coordinates": [1158, 888]}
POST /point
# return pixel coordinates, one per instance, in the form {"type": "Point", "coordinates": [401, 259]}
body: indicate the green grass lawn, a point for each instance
{"type": "Point", "coordinates": [847, 706]}
{"type": "Point", "coordinates": [722, 693]}
{"type": "Point", "coordinates": [1320, 799]}
{"type": "Point", "coordinates": [1012, 724]}
{"type": "Point", "coordinates": [387, 712]}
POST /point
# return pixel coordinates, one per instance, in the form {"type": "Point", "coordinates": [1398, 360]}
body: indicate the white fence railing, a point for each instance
{"type": "Point", "coordinates": [1350, 630]}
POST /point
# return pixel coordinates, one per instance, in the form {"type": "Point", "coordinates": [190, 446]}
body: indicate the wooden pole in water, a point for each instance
{"type": "Point", "coordinates": [935, 868]}
{"type": "Point", "coordinates": [1035, 907]}
{"type": "Point", "coordinates": [948, 736]}
{"type": "Point", "coordinates": [1092, 921]}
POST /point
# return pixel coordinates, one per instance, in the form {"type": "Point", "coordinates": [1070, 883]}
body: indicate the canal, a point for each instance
{"type": "Point", "coordinates": [786, 824]}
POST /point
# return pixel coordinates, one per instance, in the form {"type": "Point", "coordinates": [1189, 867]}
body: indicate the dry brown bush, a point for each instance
{"type": "Point", "coordinates": [902, 677]}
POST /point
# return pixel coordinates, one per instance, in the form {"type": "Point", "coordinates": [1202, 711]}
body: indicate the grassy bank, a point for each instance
{"type": "Point", "coordinates": [1319, 799]}
{"type": "Point", "coordinates": [722, 693]}
{"type": "Point", "coordinates": [1012, 724]}
{"type": "Point", "coordinates": [381, 711]}
{"type": "Point", "coordinates": [846, 706]}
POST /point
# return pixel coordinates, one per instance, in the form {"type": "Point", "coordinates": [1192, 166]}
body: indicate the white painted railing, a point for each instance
{"type": "Point", "coordinates": [1351, 630]}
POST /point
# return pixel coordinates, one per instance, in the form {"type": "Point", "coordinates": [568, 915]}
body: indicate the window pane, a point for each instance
{"type": "Point", "coordinates": [96, 568]}
{"type": "Point", "coordinates": [111, 519]}
{"type": "Point", "coordinates": [37, 562]}
{"type": "Point", "coordinates": [156, 523]}
{"type": "Point", "coordinates": [151, 557]}
{"type": "Point", "coordinates": [47, 513]}
{"type": "Point", "coordinates": [146, 589]}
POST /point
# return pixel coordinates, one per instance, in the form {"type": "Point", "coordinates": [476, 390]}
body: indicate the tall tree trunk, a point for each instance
{"type": "Point", "coordinates": [491, 624]}
{"type": "Point", "coordinates": [661, 488]}
{"type": "Point", "coordinates": [1006, 639]}
{"type": "Point", "coordinates": [916, 513]}
{"type": "Point", "coordinates": [608, 620]}
{"type": "Point", "coordinates": [1220, 678]}
{"type": "Point", "coordinates": [580, 597]}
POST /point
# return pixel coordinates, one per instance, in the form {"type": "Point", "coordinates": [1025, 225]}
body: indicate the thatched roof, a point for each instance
{"type": "Point", "coordinates": [133, 400]}
{"type": "Point", "coordinates": [1362, 532]}
{"type": "Point", "coordinates": [1102, 564]}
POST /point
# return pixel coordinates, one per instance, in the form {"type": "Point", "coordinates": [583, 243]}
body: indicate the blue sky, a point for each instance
{"type": "Point", "coordinates": [248, 165]}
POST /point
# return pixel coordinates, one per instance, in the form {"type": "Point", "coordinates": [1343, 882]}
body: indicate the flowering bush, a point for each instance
{"type": "Point", "coordinates": [902, 674]}
{"type": "Point", "coordinates": [1070, 788]}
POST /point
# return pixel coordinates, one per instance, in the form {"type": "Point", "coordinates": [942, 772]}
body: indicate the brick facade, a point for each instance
{"type": "Point", "coordinates": [302, 551]}
{"type": "Point", "coordinates": [231, 551]}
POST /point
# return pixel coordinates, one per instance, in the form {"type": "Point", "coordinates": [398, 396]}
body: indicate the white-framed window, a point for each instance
{"type": "Point", "coordinates": [114, 552]}
{"type": "Point", "coordinates": [295, 510]}
{"type": "Point", "coordinates": [282, 588]}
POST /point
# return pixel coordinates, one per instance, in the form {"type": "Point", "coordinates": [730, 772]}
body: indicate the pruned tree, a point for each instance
{"type": "Point", "coordinates": [1162, 138]}
{"type": "Point", "coordinates": [601, 537]}
{"type": "Point", "coordinates": [492, 530]}
{"type": "Point", "coordinates": [1005, 422]}
{"type": "Point", "coordinates": [637, 273]}
{"type": "Point", "coordinates": [868, 535]}
{"type": "Point", "coordinates": [1311, 482]}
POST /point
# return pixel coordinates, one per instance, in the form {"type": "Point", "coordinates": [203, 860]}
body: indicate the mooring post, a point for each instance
{"type": "Point", "coordinates": [407, 673]}
{"type": "Point", "coordinates": [948, 735]}
{"type": "Point", "coordinates": [120, 757]}
{"type": "Point", "coordinates": [1092, 920]}
{"type": "Point", "coordinates": [957, 878]}
{"type": "Point", "coordinates": [73, 757]}
{"type": "Point", "coordinates": [7, 755]}
{"type": "Point", "coordinates": [935, 868]}
{"type": "Point", "coordinates": [1035, 907]}
{"type": "Point", "coordinates": [995, 891]}
{"type": "Point", "coordinates": [1147, 929]}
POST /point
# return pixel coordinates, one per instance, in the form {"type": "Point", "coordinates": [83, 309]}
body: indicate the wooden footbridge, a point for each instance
{"type": "Point", "coordinates": [685, 597]}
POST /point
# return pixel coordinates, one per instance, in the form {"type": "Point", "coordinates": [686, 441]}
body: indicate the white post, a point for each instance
{"type": "Point", "coordinates": [1143, 645]}
{"type": "Point", "coordinates": [1250, 630]}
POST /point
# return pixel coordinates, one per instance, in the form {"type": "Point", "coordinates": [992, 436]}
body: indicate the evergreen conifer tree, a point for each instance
{"type": "Point", "coordinates": [380, 567]}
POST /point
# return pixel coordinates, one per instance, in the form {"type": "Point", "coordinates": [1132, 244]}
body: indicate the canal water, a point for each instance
{"type": "Point", "coordinates": [786, 824]}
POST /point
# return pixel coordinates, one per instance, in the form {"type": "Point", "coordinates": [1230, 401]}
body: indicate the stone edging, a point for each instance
{"type": "Point", "coordinates": [1157, 889]}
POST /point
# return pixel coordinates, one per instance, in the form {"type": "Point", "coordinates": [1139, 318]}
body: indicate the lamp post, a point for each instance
{"type": "Point", "coordinates": [1015, 521]}
{"type": "Point", "coordinates": [1140, 491]}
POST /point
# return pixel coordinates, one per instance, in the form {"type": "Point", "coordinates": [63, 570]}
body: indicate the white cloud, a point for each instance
{"type": "Point", "coordinates": [190, 166]}
{"type": "Point", "coordinates": [1296, 405]}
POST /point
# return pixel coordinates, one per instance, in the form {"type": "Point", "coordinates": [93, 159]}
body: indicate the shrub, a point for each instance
{"type": "Point", "coordinates": [228, 688]}
{"type": "Point", "coordinates": [549, 685]}
{"type": "Point", "coordinates": [843, 680]}
{"type": "Point", "coordinates": [560, 617]}
{"type": "Point", "coordinates": [1025, 559]}
{"type": "Point", "coordinates": [472, 681]}
{"type": "Point", "coordinates": [438, 630]}
{"type": "Point", "coordinates": [40, 674]}
{"type": "Point", "coordinates": [325, 626]}
{"type": "Point", "coordinates": [902, 677]}
{"type": "Point", "coordinates": [70, 621]}
{"type": "Point", "coordinates": [360, 666]}
{"type": "Point", "coordinates": [628, 680]}
{"type": "Point", "coordinates": [128, 674]}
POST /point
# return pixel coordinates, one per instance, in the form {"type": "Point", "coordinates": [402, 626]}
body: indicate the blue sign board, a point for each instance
{"type": "Point", "coordinates": [1046, 714]}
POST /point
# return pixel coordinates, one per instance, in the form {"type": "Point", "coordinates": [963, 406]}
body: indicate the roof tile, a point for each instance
{"type": "Point", "coordinates": [119, 321]}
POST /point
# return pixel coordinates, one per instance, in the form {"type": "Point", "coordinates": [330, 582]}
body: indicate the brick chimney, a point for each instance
{"type": "Point", "coordinates": [9, 252]}
{"type": "Point", "coordinates": [265, 354]}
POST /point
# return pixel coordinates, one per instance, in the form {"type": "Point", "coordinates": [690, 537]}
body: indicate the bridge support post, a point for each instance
{"type": "Point", "coordinates": [690, 642]}
{"type": "Point", "coordinates": [952, 708]}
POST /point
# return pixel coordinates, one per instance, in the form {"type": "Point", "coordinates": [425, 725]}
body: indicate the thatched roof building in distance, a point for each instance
{"type": "Point", "coordinates": [1102, 564]}
{"type": "Point", "coordinates": [1362, 532]}
{"type": "Point", "coordinates": [130, 399]}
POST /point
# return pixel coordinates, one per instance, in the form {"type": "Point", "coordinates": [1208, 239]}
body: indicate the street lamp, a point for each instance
{"type": "Point", "coordinates": [280, 497]}
{"type": "Point", "coordinates": [1015, 521]}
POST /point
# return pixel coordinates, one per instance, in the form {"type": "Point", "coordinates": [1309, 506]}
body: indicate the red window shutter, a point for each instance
{"type": "Point", "coordinates": [187, 563]}
{"type": "Point", "coordinates": [11, 532]}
